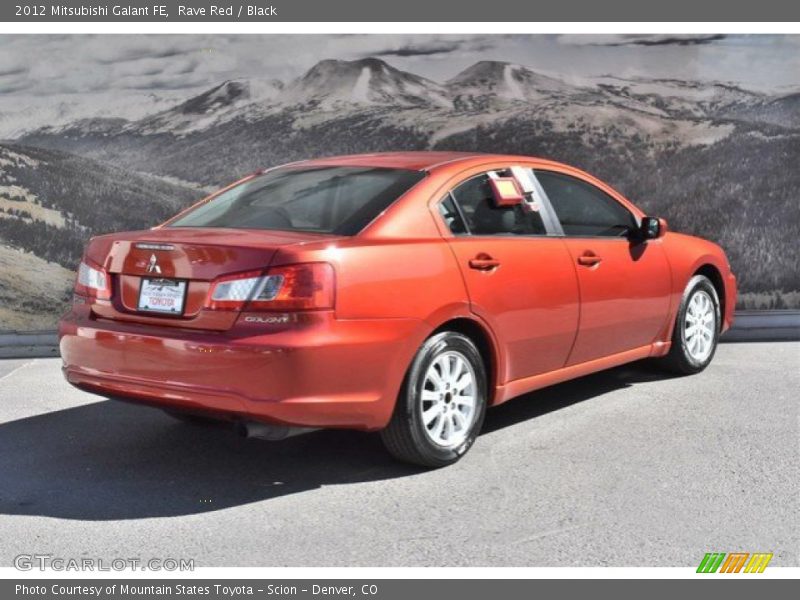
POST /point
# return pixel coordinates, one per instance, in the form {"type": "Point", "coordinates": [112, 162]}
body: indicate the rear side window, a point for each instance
{"type": "Point", "coordinates": [482, 217]}
{"type": "Point", "coordinates": [583, 209]}
{"type": "Point", "coordinates": [452, 216]}
{"type": "Point", "coordinates": [338, 200]}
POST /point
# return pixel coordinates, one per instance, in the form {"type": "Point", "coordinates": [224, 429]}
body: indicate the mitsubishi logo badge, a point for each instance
{"type": "Point", "coordinates": [152, 265]}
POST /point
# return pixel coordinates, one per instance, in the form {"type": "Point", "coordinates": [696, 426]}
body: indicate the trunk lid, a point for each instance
{"type": "Point", "coordinates": [196, 256]}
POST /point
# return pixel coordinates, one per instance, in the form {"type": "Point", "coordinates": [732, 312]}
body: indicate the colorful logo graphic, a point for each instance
{"type": "Point", "coordinates": [735, 562]}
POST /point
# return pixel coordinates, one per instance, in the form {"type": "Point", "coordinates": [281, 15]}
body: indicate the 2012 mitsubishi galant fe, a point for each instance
{"type": "Point", "coordinates": [401, 292]}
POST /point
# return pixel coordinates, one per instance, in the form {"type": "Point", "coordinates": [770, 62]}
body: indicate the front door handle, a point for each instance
{"type": "Point", "coordinates": [589, 259]}
{"type": "Point", "coordinates": [484, 262]}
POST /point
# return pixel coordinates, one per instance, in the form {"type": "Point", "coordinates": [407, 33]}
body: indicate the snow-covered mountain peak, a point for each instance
{"type": "Point", "coordinates": [506, 81]}
{"type": "Point", "coordinates": [228, 93]}
{"type": "Point", "coordinates": [365, 81]}
{"type": "Point", "coordinates": [223, 95]}
{"type": "Point", "coordinates": [220, 103]}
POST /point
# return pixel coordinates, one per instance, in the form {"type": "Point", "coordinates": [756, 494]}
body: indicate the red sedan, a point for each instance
{"type": "Point", "coordinates": [402, 292]}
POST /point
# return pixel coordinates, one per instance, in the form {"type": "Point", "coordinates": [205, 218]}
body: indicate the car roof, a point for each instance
{"type": "Point", "coordinates": [449, 163]}
{"type": "Point", "coordinates": [416, 161]}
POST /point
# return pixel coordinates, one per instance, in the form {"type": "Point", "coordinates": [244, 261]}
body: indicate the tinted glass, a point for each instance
{"type": "Point", "coordinates": [451, 216]}
{"type": "Point", "coordinates": [339, 200]}
{"type": "Point", "coordinates": [475, 199]}
{"type": "Point", "coordinates": [583, 209]}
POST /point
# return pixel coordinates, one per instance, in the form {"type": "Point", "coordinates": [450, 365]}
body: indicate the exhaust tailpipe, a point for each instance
{"type": "Point", "coordinates": [269, 431]}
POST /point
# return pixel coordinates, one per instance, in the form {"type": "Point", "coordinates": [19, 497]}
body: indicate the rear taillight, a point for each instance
{"type": "Point", "coordinates": [293, 287]}
{"type": "Point", "coordinates": [93, 282]}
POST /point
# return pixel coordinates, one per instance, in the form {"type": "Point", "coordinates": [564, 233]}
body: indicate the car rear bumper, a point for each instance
{"type": "Point", "coordinates": [315, 371]}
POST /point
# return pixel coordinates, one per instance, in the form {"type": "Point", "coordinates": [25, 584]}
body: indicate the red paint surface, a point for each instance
{"type": "Point", "coordinates": [549, 312]}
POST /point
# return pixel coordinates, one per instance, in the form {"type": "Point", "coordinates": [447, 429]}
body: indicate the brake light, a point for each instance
{"type": "Point", "coordinates": [93, 282]}
{"type": "Point", "coordinates": [307, 286]}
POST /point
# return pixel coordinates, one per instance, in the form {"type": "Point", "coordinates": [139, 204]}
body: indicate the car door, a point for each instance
{"type": "Point", "coordinates": [519, 276]}
{"type": "Point", "coordinates": [624, 282]}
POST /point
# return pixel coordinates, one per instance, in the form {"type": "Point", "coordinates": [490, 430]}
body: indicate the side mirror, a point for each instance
{"type": "Point", "coordinates": [506, 192]}
{"type": "Point", "coordinates": [652, 228]}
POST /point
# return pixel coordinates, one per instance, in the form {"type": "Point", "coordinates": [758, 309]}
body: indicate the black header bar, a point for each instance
{"type": "Point", "coordinates": [406, 11]}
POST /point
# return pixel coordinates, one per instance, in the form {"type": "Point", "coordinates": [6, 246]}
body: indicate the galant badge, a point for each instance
{"type": "Point", "coordinates": [152, 265]}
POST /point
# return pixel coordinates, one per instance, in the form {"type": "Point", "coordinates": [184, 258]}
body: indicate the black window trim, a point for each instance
{"type": "Point", "coordinates": [563, 234]}
{"type": "Point", "coordinates": [460, 212]}
{"type": "Point", "coordinates": [551, 225]}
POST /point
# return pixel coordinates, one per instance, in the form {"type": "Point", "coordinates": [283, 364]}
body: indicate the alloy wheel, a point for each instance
{"type": "Point", "coordinates": [448, 399]}
{"type": "Point", "coordinates": [699, 326]}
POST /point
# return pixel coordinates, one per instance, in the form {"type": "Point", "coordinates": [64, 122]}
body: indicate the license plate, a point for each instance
{"type": "Point", "coordinates": [162, 296]}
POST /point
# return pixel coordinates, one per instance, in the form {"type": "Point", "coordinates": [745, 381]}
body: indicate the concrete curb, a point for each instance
{"type": "Point", "coordinates": [764, 326]}
{"type": "Point", "coordinates": [28, 344]}
{"type": "Point", "coordinates": [749, 326]}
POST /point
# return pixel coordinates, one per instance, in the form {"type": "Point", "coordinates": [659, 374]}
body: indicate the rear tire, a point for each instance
{"type": "Point", "coordinates": [697, 329]}
{"type": "Point", "coordinates": [441, 405]}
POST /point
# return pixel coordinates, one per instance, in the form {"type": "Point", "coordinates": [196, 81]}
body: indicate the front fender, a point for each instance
{"type": "Point", "coordinates": [687, 255]}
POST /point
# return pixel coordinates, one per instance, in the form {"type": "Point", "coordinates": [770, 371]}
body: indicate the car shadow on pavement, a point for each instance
{"type": "Point", "coordinates": [538, 403]}
{"type": "Point", "coordinates": [110, 460]}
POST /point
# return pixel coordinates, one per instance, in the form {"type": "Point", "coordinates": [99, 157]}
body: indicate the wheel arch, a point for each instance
{"type": "Point", "coordinates": [483, 339]}
{"type": "Point", "coordinates": [712, 272]}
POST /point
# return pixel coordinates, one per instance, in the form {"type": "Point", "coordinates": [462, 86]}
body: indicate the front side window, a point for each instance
{"type": "Point", "coordinates": [338, 200]}
{"type": "Point", "coordinates": [583, 209]}
{"type": "Point", "coordinates": [476, 203]}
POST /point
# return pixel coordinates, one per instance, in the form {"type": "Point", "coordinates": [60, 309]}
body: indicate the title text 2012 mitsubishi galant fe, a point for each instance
{"type": "Point", "coordinates": [403, 293]}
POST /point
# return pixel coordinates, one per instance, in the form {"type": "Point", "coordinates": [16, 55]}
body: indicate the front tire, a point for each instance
{"type": "Point", "coordinates": [441, 405]}
{"type": "Point", "coordinates": [697, 328]}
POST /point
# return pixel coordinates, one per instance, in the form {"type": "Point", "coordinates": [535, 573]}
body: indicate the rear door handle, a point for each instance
{"type": "Point", "coordinates": [484, 262]}
{"type": "Point", "coordinates": [589, 259]}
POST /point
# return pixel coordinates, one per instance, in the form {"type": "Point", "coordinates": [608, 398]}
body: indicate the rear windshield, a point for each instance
{"type": "Point", "coordinates": [338, 200]}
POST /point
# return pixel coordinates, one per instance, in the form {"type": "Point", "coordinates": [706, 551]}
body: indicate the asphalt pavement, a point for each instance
{"type": "Point", "coordinates": [629, 467]}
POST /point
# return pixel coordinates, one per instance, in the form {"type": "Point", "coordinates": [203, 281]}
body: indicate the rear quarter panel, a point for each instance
{"type": "Point", "coordinates": [388, 279]}
{"type": "Point", "coordinates": [411, 283]}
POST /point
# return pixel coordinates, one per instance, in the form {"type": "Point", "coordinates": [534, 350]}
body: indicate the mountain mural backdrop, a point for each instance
{"type": "Point", "coordinates": [715, 159]}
